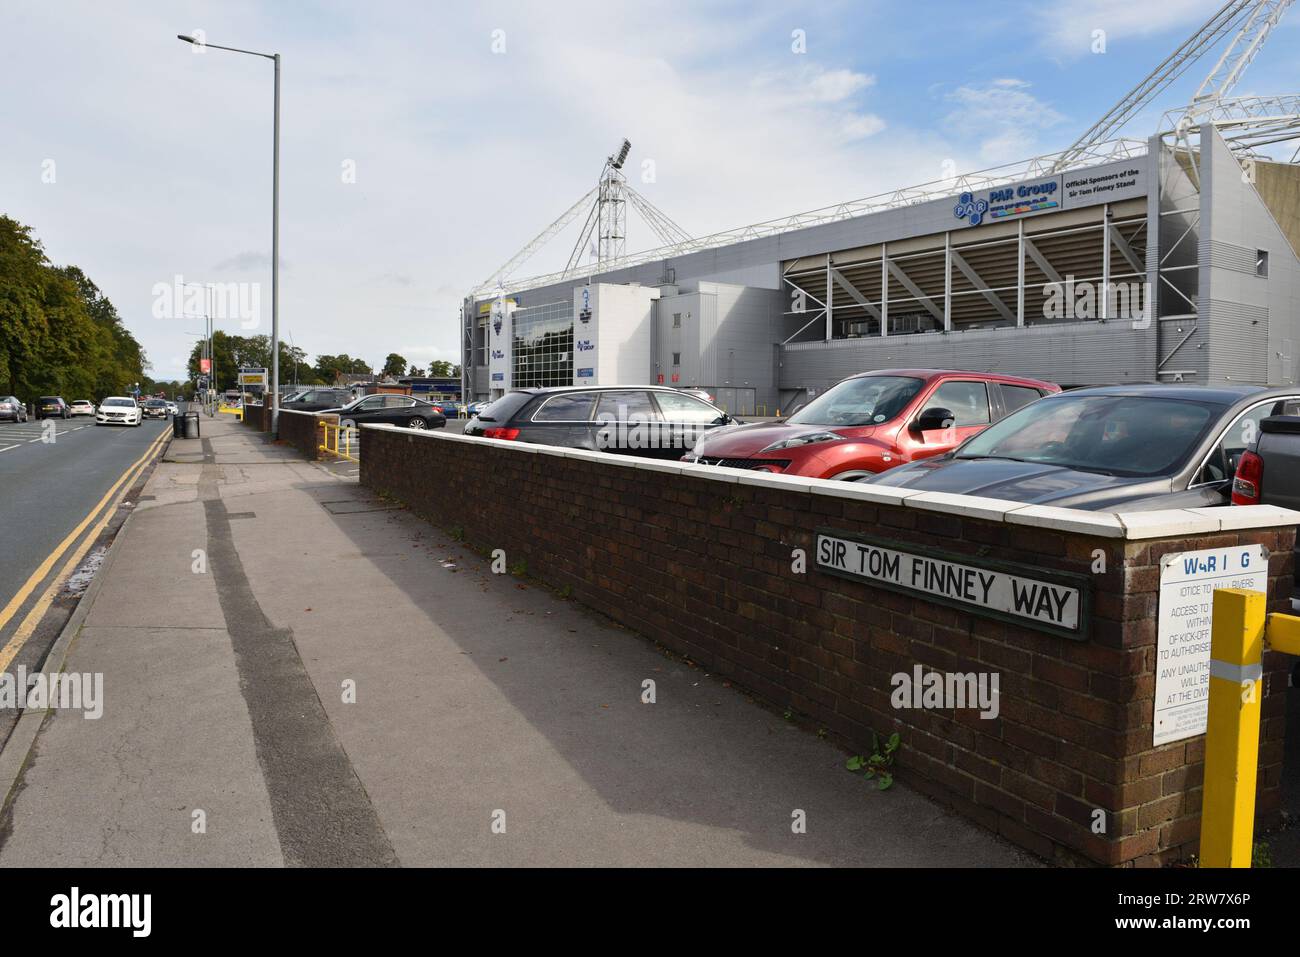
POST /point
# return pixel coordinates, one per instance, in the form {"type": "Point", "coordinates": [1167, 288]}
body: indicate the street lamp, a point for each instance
{"type": "Point", "coordinates": [275, 228]}
{"type": "Point", "coordinates": [207, 335]}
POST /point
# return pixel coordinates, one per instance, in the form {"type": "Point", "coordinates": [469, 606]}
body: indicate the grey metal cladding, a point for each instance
{"type": "Point", "coordinates": [1239, 305]}
{"type": "Point", "coordinates": [1224, 255]}
{"type": "Point", "coordinates": [1086, 353]}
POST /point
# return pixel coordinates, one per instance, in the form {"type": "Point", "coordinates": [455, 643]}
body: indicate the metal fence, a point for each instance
{"type": "Point", "coordinates": [343, 441]}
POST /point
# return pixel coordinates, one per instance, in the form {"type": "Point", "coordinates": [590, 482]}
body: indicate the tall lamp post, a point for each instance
{"type": "Point", "coordinates": [207, 337]}
{"type": "Point", "coordinates": [275, 228]}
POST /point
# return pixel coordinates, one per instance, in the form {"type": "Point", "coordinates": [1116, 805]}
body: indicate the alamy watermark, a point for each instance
{"type": "Point", "coordinates": [1085, 299]}
{"type": "Point", "coordinates": [946, 691]}
{"type": "Point", "coordinates": [66, 691]}
{"type": "Point", "coordinates": [232, 301]}
{"type": "Point", "coordinates": [640, 431]}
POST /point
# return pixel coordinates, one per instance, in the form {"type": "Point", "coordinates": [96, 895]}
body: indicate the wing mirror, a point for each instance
{"type": "Point", "coordinates": [932, 419]}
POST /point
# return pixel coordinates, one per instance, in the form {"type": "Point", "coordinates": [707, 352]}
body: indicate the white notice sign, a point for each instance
{"type": "Point", "coordinates": [1187, 584]}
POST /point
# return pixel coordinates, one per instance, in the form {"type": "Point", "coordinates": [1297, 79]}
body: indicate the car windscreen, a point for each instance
{"type": "Point", "coordinates": [49, 398]}
{"type": "Point", "coordinates": [505, 407]}
{"type": "Point", "coordinates": [867, 400]}
{"type": "Point", "coordinates": [129, 403]}
{"type": "Point", "coordinates": [1111, 434]}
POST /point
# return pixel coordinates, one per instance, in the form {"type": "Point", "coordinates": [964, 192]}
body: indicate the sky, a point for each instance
{"type": "Point", "coordinates": [424, 143]}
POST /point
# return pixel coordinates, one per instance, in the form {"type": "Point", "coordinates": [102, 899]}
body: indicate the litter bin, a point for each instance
{"type": "Point", "coordinates": [186, 426]}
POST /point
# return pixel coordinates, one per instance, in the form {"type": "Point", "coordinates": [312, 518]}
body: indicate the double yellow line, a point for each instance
{"type": "Point", "coordinates": [38, 610]}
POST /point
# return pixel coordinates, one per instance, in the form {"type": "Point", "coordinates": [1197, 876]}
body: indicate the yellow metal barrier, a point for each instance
{"type": "Point", "coordinates": [340, 440]}
{"type": "Point", "coordinates": [1238, 636]}
{"type": "Point", "coordinates": [237, 410]}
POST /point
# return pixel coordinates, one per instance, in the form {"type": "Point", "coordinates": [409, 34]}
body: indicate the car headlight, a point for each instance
{"type": "Point", "coordinates": [799, 440]}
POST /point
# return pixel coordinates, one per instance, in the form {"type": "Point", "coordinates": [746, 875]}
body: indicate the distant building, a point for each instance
{"type": "Point", "coordinates": [346, 379]}
{"type": "Point", "coordinates": [444, 387]}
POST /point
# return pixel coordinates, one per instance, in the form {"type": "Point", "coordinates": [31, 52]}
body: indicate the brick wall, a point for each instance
{"type": "Point", "coordinates": [703, 565]}
{"type": "Point", "coordinates": [302, 431]}
{"type": "Point", "coordinates": [257, 417]}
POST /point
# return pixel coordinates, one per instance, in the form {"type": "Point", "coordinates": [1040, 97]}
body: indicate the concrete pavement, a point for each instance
{"type": "Point", "coordinates": [331, 681]}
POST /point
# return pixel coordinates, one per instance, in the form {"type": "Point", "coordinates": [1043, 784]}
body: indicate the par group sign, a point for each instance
{"type": "Point", "coordinates": [1056, 602]}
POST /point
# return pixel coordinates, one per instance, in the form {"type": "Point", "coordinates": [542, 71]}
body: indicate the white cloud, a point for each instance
{"type": "Point", "coordinates": [825, 86]}
{"type": "Point", "coordinates": [1007, 115]}
{"type": "Point", "coordinates": [1072, 22]}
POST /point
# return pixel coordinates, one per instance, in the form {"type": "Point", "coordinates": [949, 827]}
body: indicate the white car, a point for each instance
{"type": "Point", "coordinates": [82, 407]}
{"type": "Point", "coordinates": [119, 410]}
{"type": "Point", "coordinates": [172, 408]}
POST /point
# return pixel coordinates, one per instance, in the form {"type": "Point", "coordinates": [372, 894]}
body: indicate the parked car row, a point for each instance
{"type": "Point", "coordinates": [1024, 440]}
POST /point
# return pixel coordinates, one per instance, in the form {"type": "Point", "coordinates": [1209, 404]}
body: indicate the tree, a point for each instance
{"type": "Point", "coordinates": [394, 366]}
{"type": "Point", "coordinates": [58, 333]}
{"type": "Point", "coordinates": [440, 369]}
{"type": "Point", "coordinates": [224, 353]}
{"type": "Point", "coordinates": [328, 368]}
{"type": "Point", "coordinates": [415, 371]}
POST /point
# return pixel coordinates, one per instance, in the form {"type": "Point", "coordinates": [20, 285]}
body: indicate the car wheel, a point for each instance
{"type": "Point", "coordinates": [348, 424]}
{"type": "Point", "coordinates": [417, 423]}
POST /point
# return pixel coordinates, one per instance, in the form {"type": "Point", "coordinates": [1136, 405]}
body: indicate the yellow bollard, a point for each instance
{"type": "Point", "coordinates": [1232, 727]}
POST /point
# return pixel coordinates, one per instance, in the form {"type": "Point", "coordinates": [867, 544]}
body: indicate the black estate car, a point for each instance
{"type": "Point", "coordinates": [651, 421]}
{"type": "Point", "coordinates": [1137, 447]}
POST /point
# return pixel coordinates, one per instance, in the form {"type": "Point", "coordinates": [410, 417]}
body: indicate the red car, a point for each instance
{"type": "Point", "coordinates": [873, 422]}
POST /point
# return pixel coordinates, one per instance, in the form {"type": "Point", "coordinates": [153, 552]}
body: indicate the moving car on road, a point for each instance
{"type": "Point", "coordinates": [651, 421]}
{"type": "Point", "coordinates": [118, 410]}
{"type": "Point", "coordinates": [11, 409]}
{"type": "Point", "coordinates": [1134, 447]}
{"type": "Point", "coordinates": [52, 407]}
{"type": "Point", "coordinates": [173, 408]}
{"type": "Point", "coordinates": [873, 422]}
{"type": "Point", "coordinates": [82, 407]}
{"type": "Point", "coordinates": [155, 409]}
{"type": "Point", "coordinates": [404, 410]}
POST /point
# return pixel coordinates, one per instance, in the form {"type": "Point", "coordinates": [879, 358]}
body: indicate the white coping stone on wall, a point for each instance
{"type": "Point", "coordinates": [1102, 524]}
{"type": "Point", "coordinates": [1134, 526]}
{"type": "Point", "coordinates": [1252, 516]}
{"type": "Point", "coordinates": [590, 456]}
{"type": "Point", "coordinates": [976, 506]}
{"type": "Point", "coordinates": [714, 473]}
{"type": "Point", "coordinates": [1165, 523]}
{"type": "Point", "coordinates": [792, 483]}
{"type": "Point", "coordinates": [859, 491]}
